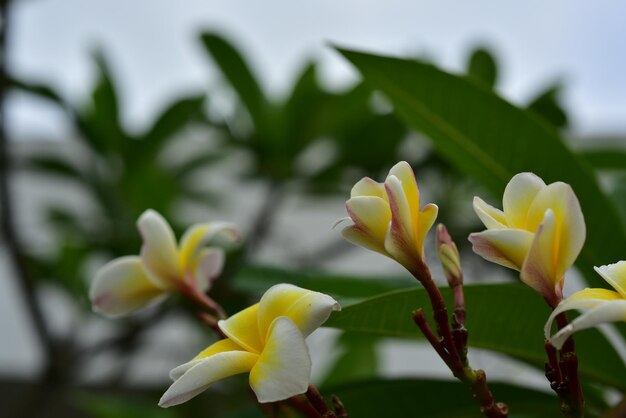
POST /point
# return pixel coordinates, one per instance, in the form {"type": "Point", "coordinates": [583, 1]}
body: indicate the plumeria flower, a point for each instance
{"type": "Point", "coordinates": [128, 283]}
{"type": "Point", "coordinates": [540, 232]}
{"type": "Point", "coordinates": [387, 217]}
{"type": "Point", "coordinates": [267, 340]}
{"type": "Point", "coordinates": [604, 305]}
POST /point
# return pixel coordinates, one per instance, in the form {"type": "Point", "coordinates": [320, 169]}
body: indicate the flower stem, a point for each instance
{"type": "Point", "coordinates": [570, 392]}
{"type": "Point", "coordinates": [452, 346]}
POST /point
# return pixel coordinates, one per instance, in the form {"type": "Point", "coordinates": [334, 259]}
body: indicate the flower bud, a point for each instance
{"type": "Point", "coordinates": [449, 257]}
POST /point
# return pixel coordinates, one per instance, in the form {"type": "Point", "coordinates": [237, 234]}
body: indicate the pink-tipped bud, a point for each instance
{"type": "Point", "coordinates": [449, 257]}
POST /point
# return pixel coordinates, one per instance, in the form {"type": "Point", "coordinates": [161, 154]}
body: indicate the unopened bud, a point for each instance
{"type": "Point", "coordinates": [449, 257]}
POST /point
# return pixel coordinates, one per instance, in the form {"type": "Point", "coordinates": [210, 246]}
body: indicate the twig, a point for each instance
{"type": "Point", "coordinates": [317, 400]}
{"type": "Point", "coordinates": [9, 233]}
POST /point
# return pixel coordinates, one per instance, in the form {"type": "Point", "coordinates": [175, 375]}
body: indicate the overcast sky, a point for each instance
{"type": "Point", "coordinates": [154, 48]}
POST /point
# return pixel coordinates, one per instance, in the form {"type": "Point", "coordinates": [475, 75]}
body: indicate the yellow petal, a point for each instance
{"type": "Point", "coordinates": [403, 172]}
{"type": "Point", "coordinates": [426, 219]}
{"type": "Point", "coordinates": [539, 270]}
{"type": "Point", "coordinates": [121, 287]}
{"type": "Point", "coordinates": [284, 367]}
{"type": "Point", "coordinates": [158, 252]}
{"type": "Point", "coordinates": [570, 223]}
{"type": "Point", "coordinates": [371, 215]}
{"type": "Point", "coordinates": [306, 308]}
{"type": "Point", "coordinates": [507, 247]}
{"type": "Point", "coordinates": [243, 329]}
{"type": "Point", "coordinates": [400, 241]}
{"type": "Point", "coordinates": [208, 370]}
{"type": "Point", "coordinates": [491, 217]}
{"type": "Point", "coordinates": [361, 238]}
{"type": "Point", "coordinates": [222, 234]}
{"type": "Point", "coordinates": [368, 187]}
{"type": "Point", "coordinates": [518, 196]}
{"type": "Point", "coordinates": [615, 275]}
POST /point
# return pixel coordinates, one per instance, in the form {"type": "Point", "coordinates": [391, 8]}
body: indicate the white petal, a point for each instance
{"type": "Point", "coordinates": [607, 312]}
{"type": "Point", "coordinates": [491, 217]}
{"type": "Point", "coordinates": [518, 196]}
{"type": "Point", "coordinates": [158, 253]}
{"type": "Point", "coordinates": [284, 367]}
{"type": "Point", "coordinates": [306, 308]}
{"type": "Point", "coordinates": [615, 275]}
{"type": "Point", "coordinates": [209, 266]}
{"type": "Point", "coordinates": [121, 286]}
{"type": "Point", "coordinates": [209, 370]}
{"type": "Point", "coordinates": [584, 299]}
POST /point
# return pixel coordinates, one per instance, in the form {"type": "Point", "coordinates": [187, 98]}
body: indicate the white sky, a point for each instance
{"type": "Point", "coordinates": [154, 48]}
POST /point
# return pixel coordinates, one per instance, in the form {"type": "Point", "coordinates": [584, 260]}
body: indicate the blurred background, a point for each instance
{"type": "Point", "coordinates": [243, 111]}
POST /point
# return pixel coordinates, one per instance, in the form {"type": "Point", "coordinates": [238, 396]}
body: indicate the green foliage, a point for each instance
{"type": "Point", "coordinates": [408, 398]}
{"type": "Point", "coordinates": [122, 174]}
{"type": "Point", "coordinates": [357, 361]}
{"type": "Point", "coordinates": [283, 130]}
{"type": "Point", "coordinates": [507, 318]}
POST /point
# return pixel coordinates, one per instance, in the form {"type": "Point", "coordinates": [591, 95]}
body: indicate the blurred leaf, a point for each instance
{"type": "Point", "coordinates": [409, 398]}
{"type": "Point", "coordinates": [55, 166]}
{"type": "Point", "coordinates": [547, 105]}
{"type": "Point", "coordinates": [605, 159]}
{"type": "Point", "coordinates": [491, 140]}
{"type": "Point", "coordinates": [358, 360]}
{"type": "Point", "coordinates": [257, 279]}
{"type": "Point", "coordinates": [507, 318]}
{"type": "Point", "coordinates": [196, 162]}
{"type": "Point", "coordinates": [171, 121]}
{"type": "Point", "coordinates": [40, 90]}
{"type": "Point", "coordinates": [103, 406]}
{"type": "Point", "coordinates": [238, 73]}
{"type": "Point", "coordinates": [482, 65]}
{"type": "Point", "coordinates": [100, 122]}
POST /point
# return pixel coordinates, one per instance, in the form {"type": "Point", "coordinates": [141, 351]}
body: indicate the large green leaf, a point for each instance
{"type": "Point", "coordinates": [508, 318]}
{"type": "Point", "coordinates": [240, 76]}
{"type": "Point", "coordinates": [259, 278]}
{"type": "Point", "coordinates": [409, 398]}
{"type": "Point", "coordinates": [172, 119]}
{"type": "Point", "coordinates": [491, 140]}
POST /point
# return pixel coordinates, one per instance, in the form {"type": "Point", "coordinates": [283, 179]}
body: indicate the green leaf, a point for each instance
{"type": "Point", "coordinates": [55, 166]}
{"type": "Point", "coordinates": [100, 122]}
{"type": "Point", "coordinates": [410, 398]}
{"type": "Point", "coordinates": [547, 105]}
{"type": "Point", "coordinates": [605, 158]}
{"type": "Point", "coordinates": [258, 279]}
{"type": "Point", "coordinates": [482, 66]}
{"type": "Point", "coordinates": [491, 140]}
{"type": "Point", "coordinates": [172, 120]}
{"type": "Point", "coordinates": [240, 76]}
{"type": "Point", "coordinates": [358, 360]}
{"type": "Point", "coordinates": [508, 318]}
